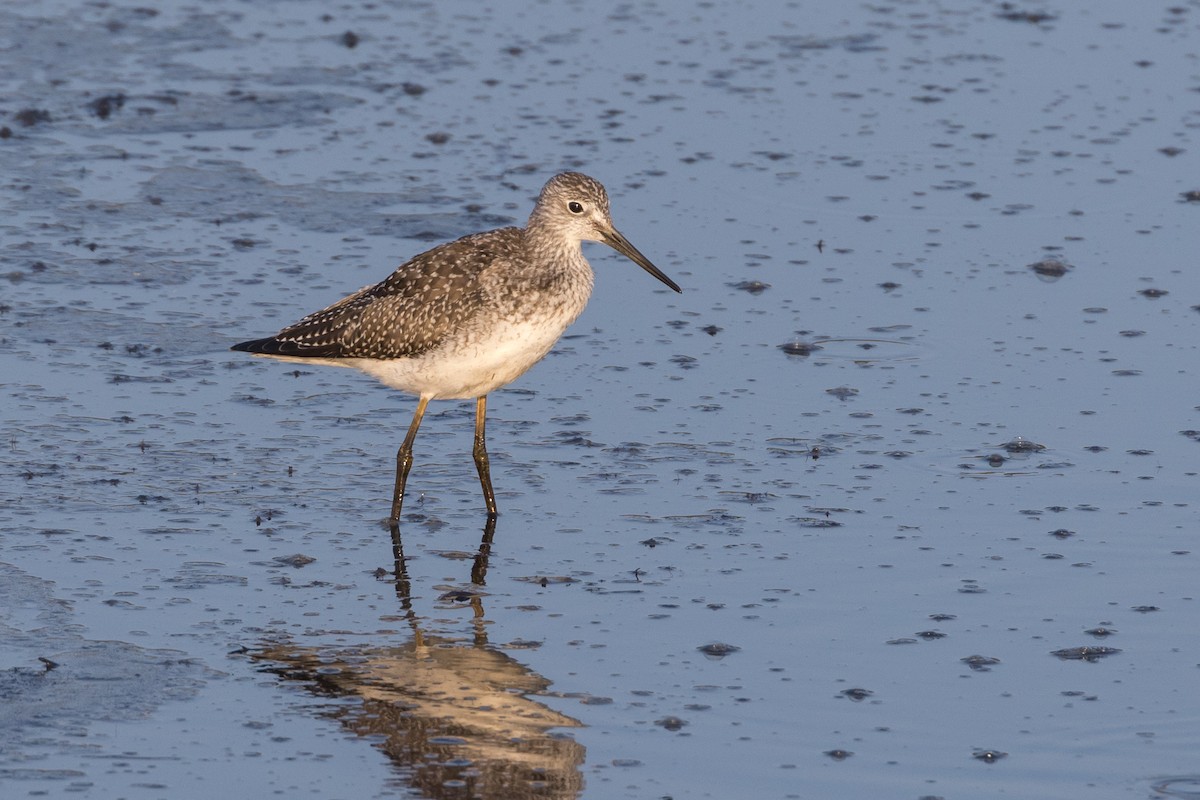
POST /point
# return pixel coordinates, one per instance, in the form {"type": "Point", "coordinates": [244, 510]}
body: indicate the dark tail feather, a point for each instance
{"type": "Point", "coordinates": [272, 346]}
{"type": "Point", "coordinates": [267, 346]}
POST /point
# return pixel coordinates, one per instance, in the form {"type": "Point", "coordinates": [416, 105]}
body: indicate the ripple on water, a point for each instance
{"type": "Point", "coordinates": [1185, 786]}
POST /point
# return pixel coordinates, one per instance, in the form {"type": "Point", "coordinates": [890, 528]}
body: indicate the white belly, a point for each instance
{"type": "Point", "coordinates": [470, 368]}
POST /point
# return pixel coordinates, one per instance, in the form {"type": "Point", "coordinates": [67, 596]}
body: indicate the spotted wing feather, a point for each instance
{"type": "Point", "coordinates": [412, 311]}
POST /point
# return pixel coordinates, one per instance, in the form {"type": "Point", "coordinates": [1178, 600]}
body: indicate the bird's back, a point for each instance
{"type": "Point", "coordinates": [417, 308]}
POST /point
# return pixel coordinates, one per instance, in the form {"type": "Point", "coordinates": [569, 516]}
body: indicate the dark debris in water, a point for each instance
{"type": "Point", "coordinates": [750, 287]}
{"type": "Point", "coordinates": [32, 116]}
{"type": "Point", "coordinates": [253, 400]}
{"type": "Point", "coordinates": [842, 392]}
{"type": "Point", "coordinates": [749, 497]}
{"type": "Point", "coordinates": [1022, 445]}
{"type": "Point", "coordinates": [1011, 13]}
{"type": "Point", "coordinates": [838, 755]}
{"type": "Point", "coordinates": [1101, 631]}
{"type": "Point", "coordinates": [1052, 268]}
{"type": "Point", "coordinates": [671, 723]}
{"type": "Point", "coordinates": [718, 649]}
{"type": "Point", "coordinates": [459, 596]}
{"type": "Point", "coordinates": [815, 522]}
{"type": "Point", "coordinates": [980, 663]}
{"type": "Point", "coordinates": [1085, 653]}
{"type": "Point", "coordinates": [857, 694]}
{"type": "Point", "coordinates": [802, 349]}
{"type": "Point", "coordinates": [684, 362]}
{"type": "Point", "coordinates": [103, 107]}
{"type": "Point", "coordinates": [989, 756]}
{"type": "Point", "coordinates": [545, 580]}
{"type": "Point", "coordinates": [295, 560]}
{"type": "Point", "coordinates": [654, 541]}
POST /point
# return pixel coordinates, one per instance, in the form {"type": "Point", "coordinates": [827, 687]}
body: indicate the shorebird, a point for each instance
{"type": "Point", "coordinates": [468, 316]}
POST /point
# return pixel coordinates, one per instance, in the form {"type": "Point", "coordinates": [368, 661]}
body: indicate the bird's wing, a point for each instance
{"type": "Point", "coordinates": [412, 311]}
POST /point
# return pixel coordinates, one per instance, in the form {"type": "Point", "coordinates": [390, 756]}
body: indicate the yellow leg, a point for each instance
{"type": "Point", "coordinates": [404, 461]}
{"type": "Point", "coordinates": [481, 457]}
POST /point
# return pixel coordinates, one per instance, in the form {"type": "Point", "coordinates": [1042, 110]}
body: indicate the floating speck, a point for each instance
{"type": "Point", "coordinates": [750, 287]}
{"type": "Point", "coordinates": [803, 349]}
{"type": "Point", "coordinates": [103, 107]}
{"type": "Point", "coordinates": [295, 560]}
{"type": "Point", "coordinates": [31, 116]}
{"type": "Point", "coordinates": [1050, 268]}
{"type": "Point", "coordinates": [1085, 653]}
{"type": "Point", "coordinates": [1022, 445]}
{"type": "Point", "coordinates": [980, 663]}
{"type": "Point", "coordinates": [718, 649]}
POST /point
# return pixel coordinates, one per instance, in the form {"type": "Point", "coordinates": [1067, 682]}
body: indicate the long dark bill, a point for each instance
{"type": "Point", "coordinates": [617, 242]}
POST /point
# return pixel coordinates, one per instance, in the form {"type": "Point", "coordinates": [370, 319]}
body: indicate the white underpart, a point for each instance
{"type": "Point", "coordinates": [466, 369]}
{"type": "Point", "coordinates": [476, 368]}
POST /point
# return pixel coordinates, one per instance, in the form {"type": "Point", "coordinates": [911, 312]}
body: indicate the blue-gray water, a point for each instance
{"type": "Point", "coordinates": [859, 522]}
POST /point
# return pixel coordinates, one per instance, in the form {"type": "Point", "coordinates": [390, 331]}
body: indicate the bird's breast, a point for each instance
{"type": "Point", "coordinates": [479, 360]}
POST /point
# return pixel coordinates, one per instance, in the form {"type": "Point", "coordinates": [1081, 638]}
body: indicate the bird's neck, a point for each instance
{"type": "Point", "coordinates": [550, 247]}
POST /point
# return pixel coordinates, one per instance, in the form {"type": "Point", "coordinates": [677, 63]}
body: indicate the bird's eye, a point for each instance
{"type": "Point", "coordinates": [575, 207]}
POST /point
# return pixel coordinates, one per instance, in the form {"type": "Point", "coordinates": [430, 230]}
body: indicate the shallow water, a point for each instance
{"type": "Point", "coordinates": [815, 527]}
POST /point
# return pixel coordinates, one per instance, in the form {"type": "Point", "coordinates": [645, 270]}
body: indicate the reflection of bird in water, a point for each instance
{"type": "Point", "coordinates": [455, 714]}
{"type": "Point", "coordinates": [467, 317]}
